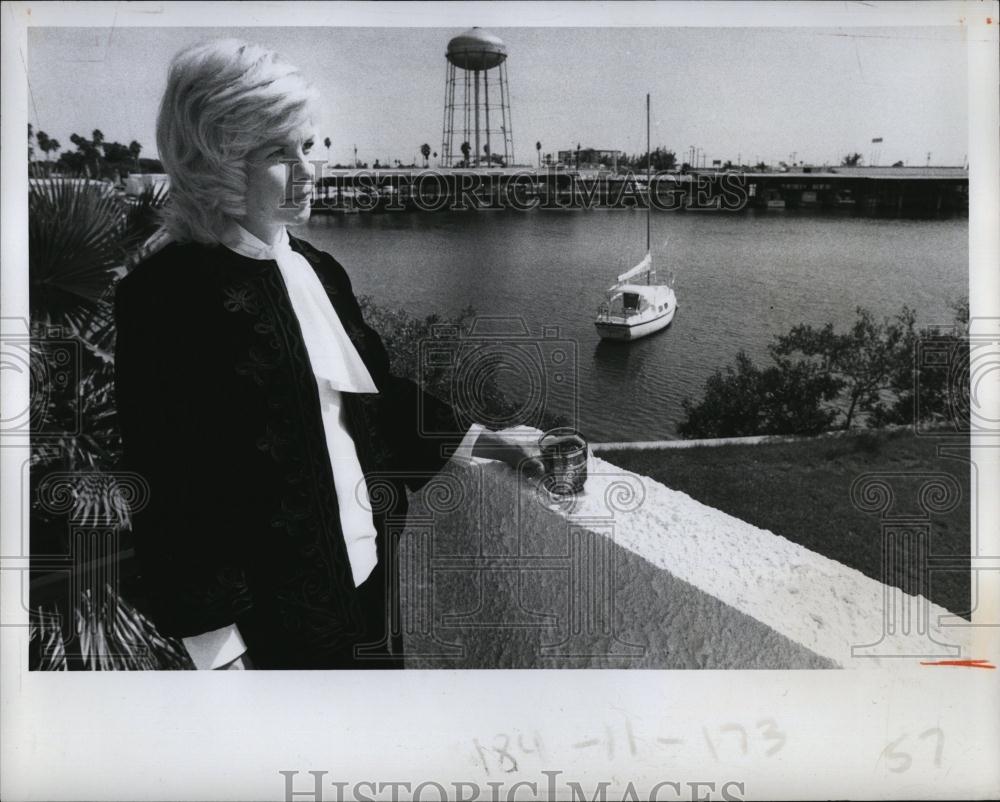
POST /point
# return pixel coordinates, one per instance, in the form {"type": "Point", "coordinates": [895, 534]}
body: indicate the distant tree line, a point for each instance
{"type": "Point", "coordinates": [820, 379]}
{"type": "Point", "coordinates": [94, 157]}
{"type": "Point", "coordinates": [491, 159]}
{"type": "Point", "coordinates": [660, 159]}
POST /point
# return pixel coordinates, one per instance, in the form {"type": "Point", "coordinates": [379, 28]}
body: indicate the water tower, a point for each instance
{"type": "Point", "coordinates": [476, 92]}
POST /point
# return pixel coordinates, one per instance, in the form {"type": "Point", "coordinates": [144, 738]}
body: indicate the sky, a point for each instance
{"type": "Point", "coordinates": [755, 93]}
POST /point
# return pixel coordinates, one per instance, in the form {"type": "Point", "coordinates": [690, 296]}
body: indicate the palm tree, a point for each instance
{"type": "Point", "coordinates": [466, 149]}
{"type": "Point", "coordinates": [425, 151]}
{"type": "Point", "coordinates": [134, 148]}
{"type": "Point", "coordinates": [31, 148]}
{"type": "Point", "coordinates": [78, 237]}
{"type": "Point", "coordinates": [98, 149]}
{"type": "Point", "coordinates": [43, 144]}
{"type": "Point", "coordinates": [327, 143]}
{"type": "Point", "coordinates": [538, 147]}
{"type": "Point", "coordinates": [83, 148]}
{"type": "Point", "coordinates": [54, 145]}
{"type": "Point", "coordinates": [88, 149]}
{"type": "Point", "coordinates": [851, 160]}
{"type": "Point", "coordinates": [47, 145]}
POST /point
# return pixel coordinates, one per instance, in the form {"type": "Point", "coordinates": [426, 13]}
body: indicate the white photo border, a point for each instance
{"type": "Point", "coordinates": [227, 735]}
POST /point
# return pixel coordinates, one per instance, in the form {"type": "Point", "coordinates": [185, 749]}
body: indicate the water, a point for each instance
{"type": "Point", "coordinates": [740, 280]}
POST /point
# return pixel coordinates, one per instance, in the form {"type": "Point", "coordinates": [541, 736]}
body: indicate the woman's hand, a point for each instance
{"type": "Point", "coordinates": [516, 446]}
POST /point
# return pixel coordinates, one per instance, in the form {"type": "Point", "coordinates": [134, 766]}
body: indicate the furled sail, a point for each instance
{"type": "Point", "coordinates": [645, 265]}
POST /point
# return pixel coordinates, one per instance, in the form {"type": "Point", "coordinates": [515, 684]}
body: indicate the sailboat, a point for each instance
{"type": "Point", "coordinates": [635, 305]}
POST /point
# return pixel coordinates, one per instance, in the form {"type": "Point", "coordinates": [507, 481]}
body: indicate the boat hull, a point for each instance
{"type": "Point", "coordinates": [633, 331]}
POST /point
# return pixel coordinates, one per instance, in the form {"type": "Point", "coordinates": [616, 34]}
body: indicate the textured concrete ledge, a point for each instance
{"type": "Point", "coordinates": [494, 574]}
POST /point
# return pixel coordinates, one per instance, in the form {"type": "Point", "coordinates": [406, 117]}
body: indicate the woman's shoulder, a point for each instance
{"type": "Point", "coordinates": [169, 265]}
{"type": "Point", "coordinates": [325, 263]}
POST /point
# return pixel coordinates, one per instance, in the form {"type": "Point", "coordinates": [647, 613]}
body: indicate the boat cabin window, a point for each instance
{"type": "Point", "coordinates": [631, 301]}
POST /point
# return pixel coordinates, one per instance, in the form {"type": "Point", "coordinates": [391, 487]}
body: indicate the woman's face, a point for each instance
{"type": "Point", "coordinates": [279, 182]}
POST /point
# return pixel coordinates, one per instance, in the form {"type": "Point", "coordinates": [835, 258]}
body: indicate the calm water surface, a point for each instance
{"type": "Point", "coordinates": [740, 280]}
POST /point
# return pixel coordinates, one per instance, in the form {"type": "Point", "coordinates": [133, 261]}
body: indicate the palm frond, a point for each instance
{"type": "Point", "coordinates": [94, 328]}
{"type": "Point", "coordinates": [142, 216]}
{"type": "Point", "coordinates": [111, 635]}
{"type": "Point", "coordinates": [46, 645]}
{"type": "Point", "coordinates": [82, 237]}
{"type": "Point", "coordinates": [74, 233]}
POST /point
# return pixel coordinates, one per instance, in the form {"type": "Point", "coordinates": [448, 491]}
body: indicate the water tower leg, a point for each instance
{"type": "Point", "coordinates": [508, 147]}
{"type": "Point", "coordinates": [475, 77]}
{"type": "Point", "coordinates": [465, 107]}
{"type": "Point", "coordinates": [486, 106]}
{"type": "Point", "coordinates": [448, 124]}
{"type": "Point", "coordinates": [510, 114]}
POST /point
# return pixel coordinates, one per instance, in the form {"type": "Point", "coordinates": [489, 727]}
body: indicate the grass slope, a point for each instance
{"type": "Point", "coordinates": [801, 490]}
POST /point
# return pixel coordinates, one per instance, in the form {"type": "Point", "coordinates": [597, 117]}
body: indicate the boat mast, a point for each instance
{"type": "Point", "coordinates": [649, 192]}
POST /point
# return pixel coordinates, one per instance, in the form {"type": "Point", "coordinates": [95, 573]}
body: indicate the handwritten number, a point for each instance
{"type": "Point", "coordinates": [503, 754]}
{"type": "Point", "coordinates": [482, 756]}
{"type": "Point", "coordinates": [711, 746]}
{"type": "Point", "coordinates": [504, 748]}
{"type": "Point", "coordinates": [536, 740]}
{"type": "Point", "coordinates": [939, 748]}
{"type": "Point", "coordinates": [631, 737]}
{"type": "Point", "coordinates": [770, 731]}
{"type": "Point", "coordinates": [741, 730]}
{"type": "Point", "coordinates": [903, 759]}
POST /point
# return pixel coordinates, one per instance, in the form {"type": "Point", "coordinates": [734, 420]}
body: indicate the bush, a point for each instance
{"type": "Point", "coordinates": [746, 400]}
{"type": "Point", "coordinates": [821, 379]}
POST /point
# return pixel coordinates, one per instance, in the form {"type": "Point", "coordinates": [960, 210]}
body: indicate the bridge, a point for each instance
{"type": "Point", "coordinates": [888, 191]}
{"type": "Point", "coordinates": [896, 191]}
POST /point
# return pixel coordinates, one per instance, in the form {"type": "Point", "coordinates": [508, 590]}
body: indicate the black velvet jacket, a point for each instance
{"type": "Point", "coordinates": [219, 412]}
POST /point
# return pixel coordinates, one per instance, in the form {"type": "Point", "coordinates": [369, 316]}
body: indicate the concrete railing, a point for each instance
{"type": "Point", "coordinates": [746, 440]}
{"type": "Point", "coordinates": [631, 574]}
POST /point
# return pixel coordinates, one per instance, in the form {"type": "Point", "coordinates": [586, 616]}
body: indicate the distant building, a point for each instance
{"type": "Point", "coordinates": [590, 158]}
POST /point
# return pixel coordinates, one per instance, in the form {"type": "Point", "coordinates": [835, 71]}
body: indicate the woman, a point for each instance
{"type": "Point", "coordinates": [254, 399]}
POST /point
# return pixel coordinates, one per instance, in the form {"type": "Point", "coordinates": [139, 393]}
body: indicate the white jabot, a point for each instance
{"type": "Point", "coordinates": [338, 368]}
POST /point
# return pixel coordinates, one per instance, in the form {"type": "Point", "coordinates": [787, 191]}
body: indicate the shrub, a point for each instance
{"type": "Point", "coordinates": [747, 400]}
{"type": "Point", "coordinates": [821, 378]}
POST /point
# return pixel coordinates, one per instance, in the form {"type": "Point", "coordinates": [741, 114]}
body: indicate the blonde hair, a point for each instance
{"type": "Point", "coordinates": [224, 98]}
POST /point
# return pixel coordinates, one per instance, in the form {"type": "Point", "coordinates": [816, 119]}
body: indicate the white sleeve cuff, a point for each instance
{"type": "Point", "coordinates": [463, 453]}
{"type": "Point", "coordinates": [216, 648]}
